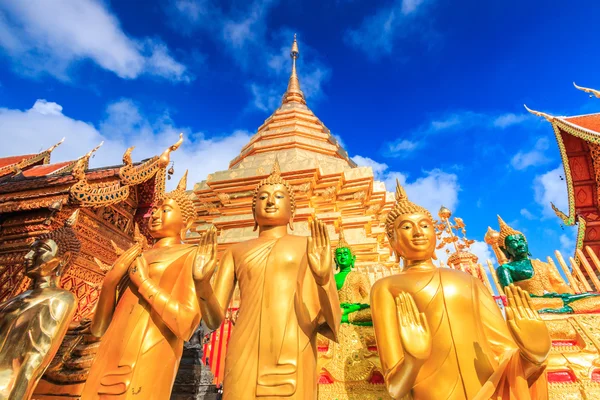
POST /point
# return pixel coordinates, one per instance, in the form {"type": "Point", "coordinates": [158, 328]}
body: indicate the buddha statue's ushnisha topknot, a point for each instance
{"type": "Point", "coordinates": [506, 231]}
{"type": "Point", "coordinates": [66, 239]}
{"type": "Point", "coordinates": [275, 179]}
{"type": "Point", "coordinates": [402, 206]}
{"type": "Point", "coordinates": [342, 244]}
{"type": "Point", "coordinates": [182, 199]}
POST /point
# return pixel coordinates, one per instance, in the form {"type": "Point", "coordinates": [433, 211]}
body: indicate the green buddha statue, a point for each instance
{"type": "Point", "coordinates": [353, 287]}
{"type": "Point", "coordinates": [549, 292]}
{"type": "Point", "coordinates": [352, 361]}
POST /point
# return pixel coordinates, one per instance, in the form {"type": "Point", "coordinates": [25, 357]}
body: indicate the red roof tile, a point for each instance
{"type": "Point", "coordinates": [5, 161]}
{"type": "Point", "coordinates": [590, 122]}
{"type": "Point", "coordinates": [42, 170]}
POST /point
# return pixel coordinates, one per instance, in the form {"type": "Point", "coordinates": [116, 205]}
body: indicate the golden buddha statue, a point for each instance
{"type": "Point", "coordinates": [34, 323]}
{"type": "Point", "coordinates": [440, 335]}
{"type": "Point", "coordinates": [549, 292]}
{"type": "Point", "coordinates": [143, 334]}
{"type": "Point", "coordinates": [287, 296]}
{"type": "Point", "coordinates": [351, 360]}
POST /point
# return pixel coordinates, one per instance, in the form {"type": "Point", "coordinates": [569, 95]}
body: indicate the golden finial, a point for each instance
{"type": "Point", "coordinates": [402, 206]}
{"type": "Point", "coordinates": [295, 51]}
{"type": "Point", "coordinates": [165, 157]}
{"type": "Point", "coordinates": [444, 212]}
{"type": "Point", "coordinates": [505, 231]}
{"type": "Point", "coordinates": [548, 117]}
{"type": "Point", "coordinates": [127, 156]}
{"type": "Point", "coordinates": [81, 165]}
{"type": "Point", "coordinates": [92, 151]}
{"type": "Point", "coordinates": [588, 90]}
{"type": "Point", "coordinates": [293, 92]}
{"type": "Point", "coordinates": [51, 149]}
{"type": "Point", "coordinates": [72, 220]}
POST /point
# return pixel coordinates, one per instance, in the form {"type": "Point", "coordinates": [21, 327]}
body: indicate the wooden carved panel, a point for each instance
{"type": "Point", "coordinates": [572, 143]}
{"type": "Point", "coordinates": [584, 196]}
{"type": "Point", "coordinates": [580, 168]}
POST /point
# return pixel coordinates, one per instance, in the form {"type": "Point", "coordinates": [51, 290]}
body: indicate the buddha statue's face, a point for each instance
{"type": "Point", "coordinates": [166, 220]}
{"type": "Point", "coordinates": [273, 206]}
{"type": "Point", "coordinates": [42, 259]}
{"type": "Point", "coordinates": [344, 258]}
{"type": "Point", "coordinates": [414, 237]}
{"type": "Point", "coordinates": [516, 247]}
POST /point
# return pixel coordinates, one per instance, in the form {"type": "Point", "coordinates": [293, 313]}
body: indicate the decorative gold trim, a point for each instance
{"type": "Point", "coordinates": [106, 193]}
{"type": "Point", "coordinates": [135, 174]}
{"type": "Point", "coordinates": [568, 220]}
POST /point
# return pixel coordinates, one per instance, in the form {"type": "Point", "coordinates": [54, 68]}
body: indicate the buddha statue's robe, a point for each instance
{"type": "Point", "coordinates": [548, 290]}
{"type": "Point", "coordinates": [272, 349]}
{"type": "Point", "coordinates": [32, 327]}
{"type": "Point", "coordinates": [473, 354]}
{"type": "Point", "coordinates": [140, 352]}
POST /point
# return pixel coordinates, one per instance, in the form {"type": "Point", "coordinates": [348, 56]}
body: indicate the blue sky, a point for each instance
{"type": "Point", "coordinates": [430, 91]}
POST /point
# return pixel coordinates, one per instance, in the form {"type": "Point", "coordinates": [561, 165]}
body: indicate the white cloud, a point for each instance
{"type": "Point", "coordinates": [125, 125]}
{"type": "Point", "coordinates": [432, 191]}
{"type": "Point", "coordinates": [378, 33]}
{"type": "Point", "coordinates": [379, 169]}
{"type": "Point", "coordinates": [437, 188]}
{"type": "Point", "coordinates": [403, 145]}
{"type": "Point", "coordinates": [509, 119]}
{"type": "Point", "coordinates": [53, 36]}
{"type": "Point", "coordinates": [527, 214]}
{"type": "Point", "coordinates": [47, 108]}
{"type": "Point", "coordinates": [532, 158]}
{"type": "Point", "coordinates": [567, 243]}
{"type": "Point", "coordinates": [549, 188]}
{"type": "Point", "coordinates": [461, 121]}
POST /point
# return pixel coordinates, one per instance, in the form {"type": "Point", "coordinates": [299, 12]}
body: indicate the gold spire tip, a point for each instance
{"type": "Point", "coordinates": [295, 52]}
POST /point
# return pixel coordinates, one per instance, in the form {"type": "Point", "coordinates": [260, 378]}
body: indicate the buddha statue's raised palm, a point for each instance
{"type": "Point", "coordinates": [319, 252]}
{"type": "Point", "coordinates": [414, 330]}
{"type": "Point", "coordinates": [205, 262]}
{"type": "Point", "coordinates": [526, 326]}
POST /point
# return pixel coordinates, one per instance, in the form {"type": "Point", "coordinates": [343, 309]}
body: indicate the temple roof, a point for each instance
{"type": "Point", "coordinates": [15, 164]}
{"type": "Point", "coordinates": [292, 133]}
{"type": "Point", "coordinates": [578, 139]}
{"type": "Point", "coordinates": [591, 122]}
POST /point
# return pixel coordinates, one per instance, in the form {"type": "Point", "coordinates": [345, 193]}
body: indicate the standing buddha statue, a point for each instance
{"type": "Point", "coordinates": [348, 361]}
{"type": "Point", "coordinates": [549, 292]}
{"type": "Point", "coordinates": [287, 295]}
{"type": "Point", "coordinates": [143, 334]}
{"type": "Point", "coordinates": [34, 323]}
{"type": "Point", "coordinates": [440, 335]}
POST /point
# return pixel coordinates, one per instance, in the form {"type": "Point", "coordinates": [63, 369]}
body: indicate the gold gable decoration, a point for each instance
{"type": "Point", "coordinates": [103, 194]}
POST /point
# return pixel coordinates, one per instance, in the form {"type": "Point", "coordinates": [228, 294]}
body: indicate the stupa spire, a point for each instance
{"type": "Point", "coordinates": [293, 92]}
